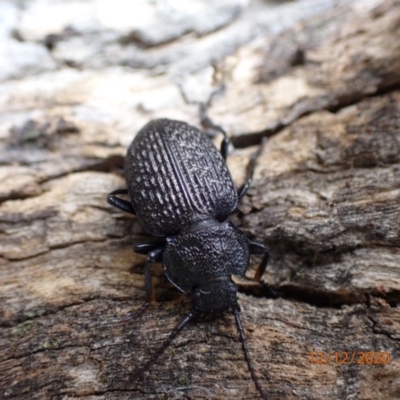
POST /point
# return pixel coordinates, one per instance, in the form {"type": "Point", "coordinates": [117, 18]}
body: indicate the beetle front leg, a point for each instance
{"type": "Point", "coordinates": [153, 256]}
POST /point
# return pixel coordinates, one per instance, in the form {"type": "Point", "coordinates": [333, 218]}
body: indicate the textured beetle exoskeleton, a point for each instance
{"type": "Point", "coordinates": [175, 177]}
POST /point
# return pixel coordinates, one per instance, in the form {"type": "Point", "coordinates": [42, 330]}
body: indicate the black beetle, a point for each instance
{"type": "Point", "coordinates": [182, 192]}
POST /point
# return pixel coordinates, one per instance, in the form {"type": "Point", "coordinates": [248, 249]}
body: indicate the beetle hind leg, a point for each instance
{"type": "Point", "coordinates": [250, 170]}
{"type": "Point", "coordinates": [207, 123]}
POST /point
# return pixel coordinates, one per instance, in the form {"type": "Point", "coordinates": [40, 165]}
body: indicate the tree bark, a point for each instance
{"type": "Point", "coordinates": [325, 199]}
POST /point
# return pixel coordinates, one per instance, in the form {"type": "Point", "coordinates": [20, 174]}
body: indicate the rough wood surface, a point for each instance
{"type": "Point", "coordinates": [325, 199]}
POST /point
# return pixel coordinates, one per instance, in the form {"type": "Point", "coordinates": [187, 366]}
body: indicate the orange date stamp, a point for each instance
{"type": "Point", "coordinates": [349, 357]}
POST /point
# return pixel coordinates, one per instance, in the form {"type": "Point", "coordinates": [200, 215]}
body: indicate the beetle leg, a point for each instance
{"type": "Point", "coordinates": [243, 189]}
{"type": "Point", "coordinates": [250, 170]}
{"type": "Point", "coordinates": [153, 256]}
{"type": "Point", "coordinates": [123, 205]}
{"type": "Point", "coordinates": [207, 123]}
{"type": "Point", "coordinates": [146, 248]}
{"type": "Point", "coordinates": [246, 353]}
{"type": "Point", "coordinates": [258, 248]}
{"type": "Point", "coordinates": [167, 342]}
{"type": "Point", "coordinates": [262, 267]}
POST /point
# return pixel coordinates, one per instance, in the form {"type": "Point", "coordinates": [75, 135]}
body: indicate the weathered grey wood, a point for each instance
{"type": "Point", "coordinates": [325, 198]}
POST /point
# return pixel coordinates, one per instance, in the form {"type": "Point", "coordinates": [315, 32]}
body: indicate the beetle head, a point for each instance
{"type": "Point", "coordinates": [215, 295]}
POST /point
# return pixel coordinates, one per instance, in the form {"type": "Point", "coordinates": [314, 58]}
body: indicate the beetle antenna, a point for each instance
{"type": "Point", "coordinates": [245, 349]}
{"type": "Point", "coordinates": [167, 342]}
